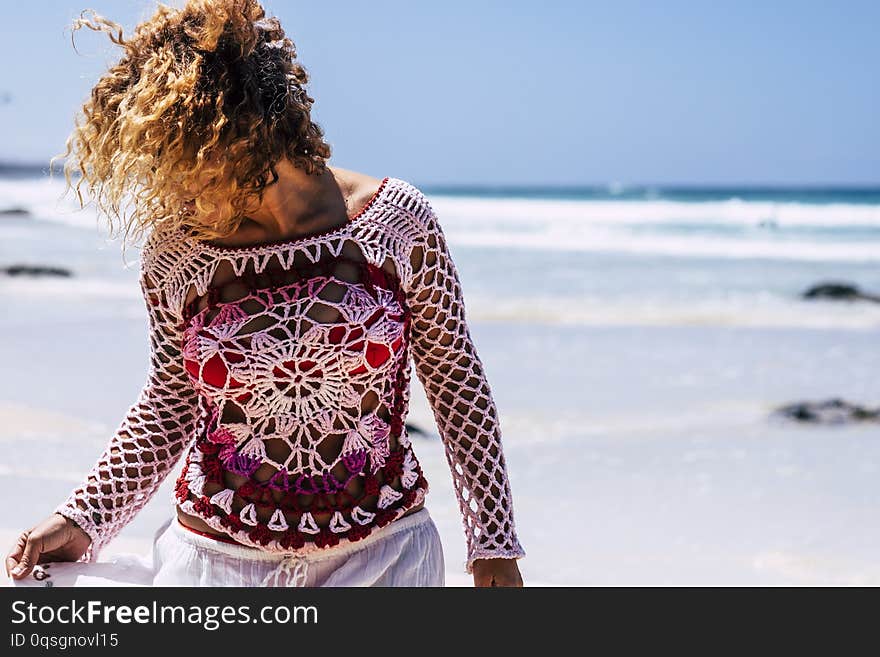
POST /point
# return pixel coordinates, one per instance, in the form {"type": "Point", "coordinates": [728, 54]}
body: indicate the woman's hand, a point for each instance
{"type": "Point", "coordinates": [496, 572]}
{"type": "Point", "coordinates": [55, 539]}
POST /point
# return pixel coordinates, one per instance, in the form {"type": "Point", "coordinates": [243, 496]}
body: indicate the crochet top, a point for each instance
{"type": "Point", "coordinates": [281, 373]}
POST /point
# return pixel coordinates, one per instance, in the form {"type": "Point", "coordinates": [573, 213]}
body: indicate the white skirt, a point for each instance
{"type": "Point", "coordinates": [406, 552]}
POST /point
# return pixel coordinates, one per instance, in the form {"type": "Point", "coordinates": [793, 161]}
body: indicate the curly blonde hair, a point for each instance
{"type": "Point", "coordinates": [184, 131]}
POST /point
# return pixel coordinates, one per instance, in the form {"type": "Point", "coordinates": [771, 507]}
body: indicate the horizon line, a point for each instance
{"type": "Point", "coordinates": [32, 167]}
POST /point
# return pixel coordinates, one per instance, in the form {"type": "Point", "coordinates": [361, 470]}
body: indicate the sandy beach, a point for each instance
{"type": "Point", "coordinates": [636, 393]}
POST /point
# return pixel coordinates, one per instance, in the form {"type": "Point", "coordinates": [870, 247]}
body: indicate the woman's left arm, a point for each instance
{"type": "Point", "coordinates": [450, 369]}
{"type": "Point", "coordinates": [152, 436]}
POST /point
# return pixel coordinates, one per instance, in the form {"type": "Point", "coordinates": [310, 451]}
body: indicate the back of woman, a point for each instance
{"type": "Point", "coordinates": [287, 302]}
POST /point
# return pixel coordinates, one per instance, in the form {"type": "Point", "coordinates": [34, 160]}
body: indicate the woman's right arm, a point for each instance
{"type": "Point", "coordinates": [143, 450]}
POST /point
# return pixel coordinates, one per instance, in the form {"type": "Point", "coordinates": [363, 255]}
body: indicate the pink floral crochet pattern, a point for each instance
{"type": "Point", "coordinates": [281, 374]}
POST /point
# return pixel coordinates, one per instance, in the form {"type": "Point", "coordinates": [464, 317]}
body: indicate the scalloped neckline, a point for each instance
{"type": "Point", "coordinates": [303, 238]}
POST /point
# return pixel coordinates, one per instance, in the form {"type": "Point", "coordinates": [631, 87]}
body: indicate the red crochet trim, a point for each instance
{"type": "Point", "coordinates": [326, 538]}
{"type": "Point", "coordinates": [292, 538]}
{"type": "Point", "coordinates": [260, 534]}
{"type": "Point", "coordinates": [357, 532]}
{"type": "Point", "coordinates": [203, 506]}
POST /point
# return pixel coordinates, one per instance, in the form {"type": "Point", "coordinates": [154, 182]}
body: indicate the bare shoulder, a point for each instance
{"type": "Point", "coordinates": [357, 186]}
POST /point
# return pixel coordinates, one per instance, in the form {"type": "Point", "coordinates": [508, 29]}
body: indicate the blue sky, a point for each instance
{"type": "Point", "coordinates": [555, 92]}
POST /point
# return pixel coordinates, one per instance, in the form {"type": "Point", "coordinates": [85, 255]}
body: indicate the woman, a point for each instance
{"type": "Point", "coordinates": [285, 298]}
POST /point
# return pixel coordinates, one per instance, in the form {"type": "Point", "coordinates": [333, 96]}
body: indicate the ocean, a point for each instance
{"type": "Point", "coordinates": [637, 341]}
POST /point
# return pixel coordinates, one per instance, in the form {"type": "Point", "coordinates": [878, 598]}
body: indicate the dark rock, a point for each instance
{"type": "Point", "coordinates": [34, 270]}
{"type": "Point", "coordinates": [830, 411]}
{"type": "Point", "coordinates": [838, 291]}
{"type": "Point", "coordinates": [14, 212]}
{"type": "Point", "coordinates": [413, 429]}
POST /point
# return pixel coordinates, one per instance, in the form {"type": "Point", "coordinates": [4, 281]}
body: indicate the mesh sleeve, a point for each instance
{"type": "Point", "coordinates": [148, 442]}
{"type": "Point", "coordinates": [449, 368]}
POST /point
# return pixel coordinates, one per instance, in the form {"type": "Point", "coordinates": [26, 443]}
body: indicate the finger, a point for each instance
{"type": "Point", "coordinates": [15, 554]}
{"type": "Point", "coordinates": [29, 557]}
